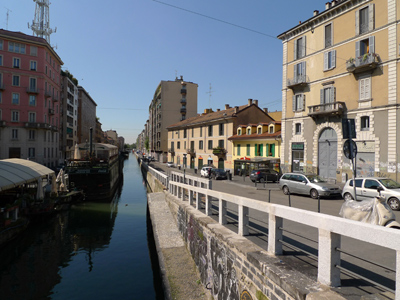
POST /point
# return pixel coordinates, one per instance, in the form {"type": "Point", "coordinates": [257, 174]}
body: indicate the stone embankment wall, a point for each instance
{"type": "Point", "coordinates": [231, 266]}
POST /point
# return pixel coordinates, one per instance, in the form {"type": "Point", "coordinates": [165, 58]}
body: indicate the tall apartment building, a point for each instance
{"type": "Point", "coordinates": [69, 115]}
{"type": "Point", "coordinates": [173, 101]}
{"type": "Point", "coordinates": [86, 115]}
{"type": "Point", "coordinates": [29, 99]}
{"type": "Point", "coordinates": [342, 63]}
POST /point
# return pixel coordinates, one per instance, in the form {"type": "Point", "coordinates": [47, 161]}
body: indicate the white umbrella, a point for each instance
{"type": "Point", "coordinates": [39, 193]}
{"type": "Point", "coordinates": [77, 154]}
{"type": "Point", "coordinates": [61, 181]}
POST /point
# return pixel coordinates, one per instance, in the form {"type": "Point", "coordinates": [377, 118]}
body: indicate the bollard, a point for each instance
{"type": "Point", "coordinates": [269, 196]}
{"type": "Point", "coordinates": [319, 204]}
{"type": "Point", "coordinates": [290, 203]}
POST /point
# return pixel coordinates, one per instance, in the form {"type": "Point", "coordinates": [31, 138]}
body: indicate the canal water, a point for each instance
{"type": "Point", "coordinates": [91, 251]}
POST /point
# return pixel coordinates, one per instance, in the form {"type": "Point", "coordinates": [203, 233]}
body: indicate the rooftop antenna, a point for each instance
{"type": "Point", "coordinates": [209, 95]}
{"type": "Point", "coordinates": [41, 24]}
{"type": "Point", "coordinates": [8, 13]}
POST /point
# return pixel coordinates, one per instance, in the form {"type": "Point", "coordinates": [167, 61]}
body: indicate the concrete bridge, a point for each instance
{"type": "Point", "coordinates": [230, 266]}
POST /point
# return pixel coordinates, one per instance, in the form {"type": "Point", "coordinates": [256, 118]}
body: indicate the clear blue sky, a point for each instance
{"type": "Point", "coordinates": [121, 50]}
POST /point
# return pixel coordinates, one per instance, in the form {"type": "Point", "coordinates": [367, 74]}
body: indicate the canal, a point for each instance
{"type": "Point", "coordinates": [91, 251]}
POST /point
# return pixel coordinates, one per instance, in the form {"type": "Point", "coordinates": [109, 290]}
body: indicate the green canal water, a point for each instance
{"type": "Point", "coordinates": [91, 251]}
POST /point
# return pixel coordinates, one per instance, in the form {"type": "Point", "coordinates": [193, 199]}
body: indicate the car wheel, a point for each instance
{"type": "Point", "coordinates": [348, 197]}
{"type": "Point", "coordinates": [262, 180]}
{"type": "Point", "coordinates": [285, 190]}
{"type": "Point", "coordinates": [394, 203]}
{"type": "Point", "coordinates": [314, 194]}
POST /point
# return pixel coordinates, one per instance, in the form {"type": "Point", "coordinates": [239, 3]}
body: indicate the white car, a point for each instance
{"type": "Point", "coordinates": [170, 164]}
{"type": "Point", "coordinates": [205, 171]}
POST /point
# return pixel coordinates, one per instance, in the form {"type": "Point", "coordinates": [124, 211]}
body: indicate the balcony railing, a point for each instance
{"type": "Point", "coordinates": [183, 91]}
{"type": "Point", "coordinates": [330, 109]}
{"type": "Point", "coordinates": [37, 125]}
{"type": "Point", "coordinates": [191, 151]}
{"type": "Point", "coordinates": [2, 123]}
{"type": "Point", "coordinates": [298, 81]}
{"type": "Point", "coordinates": [183, 101]}
{"type": "Point", "coordinates": [183, 110]}
{"type": "Point", "coordinates": [219, 151]}
{"type": "Point", "coordinates": [55, 98]}
{"type": "Point", "coordinates": [47, 94]}
{"type": "Point", "coordinates": [32, 90]}
{"type": "Point", "coordinates": [368, 61]}
{"type": "Point", "coordinates": [51, 111]}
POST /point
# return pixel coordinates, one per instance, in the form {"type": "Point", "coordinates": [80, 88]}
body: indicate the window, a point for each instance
{"type": "Point", "coordinates": [1, 60]}
{"type": "Point", "coordinates": [32, 84]}
{"type": "Point", "coordinates": [259, 130]}
{"type": "Point", "coordinates": [299, 72]}
{"type": "Point", "coordinates": [16, 62]}
{"type": "Point", "coordinates": [327, 95]}
{"type": "Point", "coordinates": [298, 102]}
{"type": "Point", "coordinates": [365, 88]}
{"type": "Point", "coordinates": [221, 143]}
{"type": "Point", "coordinates": [192, 132]}
{"type": "Point", "coordinates": [31, 152]}
{"type": "Point", "coordinates": [1, 44]}
{"type": "Point", "coordinates": [248, 131]}
{"type": "Point", "coordinates": [33, 50]}
{"type": "Point", "coordinates": [238, 149]}
{"type": "Point", "coordinates": [33, 65]}
{"type": "Point", "coordinates": [32, 100]}
{"type": "Point", "coordinates": [298, 128]}
{"type": "Point", "coordinates": [210, 145]}
{"type": "Point", "coordinates": [201, 131]}
{"type": "Point", "coordinates": [15, 99]}
{"type": "Point", "coordinates": [221, 129]}
{"type": "Point", "coordinates": [15, 116]}
{"type": "Point", "coordinates": [32, 117]}
{"type": "Point", "coordinates": [371, 184]}
{"type": "Point", "coordinates": [184, 133]}
{"type": "Point", "coordinates": [328, 36]}
{"type": "Point", "coordinates": [239, 131]}
{"type": "Point", "coordinates": [365, 47]}
{"type": "Point", "coordinates": [31, 134]}
{"type": "Point", "coordinates": [1, 96]}
{"type": "Point", "coordinates": [201, 145]}
{"type": "Point", "coordinates": [248, 149]}
{"type": "Point", "coordinates": [14, 134]}
{"type": "Point", "coordinates": [178, 145]}
{"type": "Point", "coordinates": [364, 123]}
{"type": "Point", "coordinates": [300, 48]}
{"type": "Point", "coordinates": [365, 19]}
{"type": "Point", "coordinates": [210, 130]}
{"type": "Point", "coordinates": [16, 47]}
{"type": "Point", "coordinates": [15, 80]}
{"type": "Point", "coordinates": [329, 60]}
{"type": "Point", "coordinates": [271, 129]}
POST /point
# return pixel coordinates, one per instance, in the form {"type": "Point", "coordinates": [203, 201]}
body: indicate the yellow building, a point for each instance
{"type": "Point", "coordinates": [256, 146]}
{"type": "Point", "coordinates": [203, 140]}
{"type": "Point", "coordinates": [342, 63]}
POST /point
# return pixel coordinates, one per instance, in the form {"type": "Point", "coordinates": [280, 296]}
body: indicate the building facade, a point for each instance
{"type": "Point", "coordinates": [204, 139]}
{"type": "Point", "coordinates": [86, 115]}
{"type": "Point", "coordinates": [173, 101]}
{"type": "Point", "coordinates": [341, 64]}
{"type": "Point", "coordinates": [29, 99]}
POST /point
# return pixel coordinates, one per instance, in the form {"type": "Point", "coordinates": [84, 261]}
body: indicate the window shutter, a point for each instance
{"type": "Point", "coordinates": [273, 149]}
{"type": "Point", "coordinates": [334, 59]}
{"type": "Point", "coordinates": [303, 51]}
{"type": "Point", "coordinates": [332, 94]}
{"type": "Point", "coordinates": [300, 104]}
{"type": "Point", "coordinates": [326, 61]}
{"type": "Point", "coordinates": [267, 149]}
{"type": "Point", "coordinates": [371, 15]}
{"type": "Point", "coordinates": [367, 88]}
{"type": "Point", "coordinates": [321, 95]}
{"type": "Point", "coordinates": [362, 89]}
{"type": "Point", "coordinates": [261, 150]}
{"type": "Point", "coordinates": [303, 69]}
{"type": "Point", "coordinates": [358, 49]}
{"type": "Point", "coordinates": [255, 150]}
{"type": "Point", "coordinates": [294, 103]}
{"type": "Point", "coordinates": [303, 103]}
{"type": "Point", "coordinates": [372, 44]}
{"type": "Point", "coordinates": [357, 22]}
{"type": "Point", "coordinates": [295, 50]}
{"type": "Point", "coordinates": [295, 73]}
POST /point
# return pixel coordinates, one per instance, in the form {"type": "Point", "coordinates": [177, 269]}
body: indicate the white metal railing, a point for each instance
{"type": "Point", "coordinates": [330, 228]}
{"type": "Point", "coordinates": [191, 180]}
{"type": "Point", "coordinates": [162, 177]}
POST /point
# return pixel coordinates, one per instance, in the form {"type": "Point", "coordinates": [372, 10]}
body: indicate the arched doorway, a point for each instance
{"type": "Point", "coordinates": [327, 153]}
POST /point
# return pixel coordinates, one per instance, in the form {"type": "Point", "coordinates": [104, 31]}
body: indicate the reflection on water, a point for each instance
{"type": "Point", "coordinates": [93, 250]}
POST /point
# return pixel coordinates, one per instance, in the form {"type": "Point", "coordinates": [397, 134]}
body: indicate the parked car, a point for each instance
{"type": "Point", "coordinates": [308, 184]}
{"type": "Point", "coordinates": [218, 174]}
{"type": "Point", "coordinates": [205, 171]}
{"type": "Point", "coordinates": [366, 188]}
{"type": "Point", "coordinates": [170, 164]}
{"type": "Point", "coordinates": [264, 175]}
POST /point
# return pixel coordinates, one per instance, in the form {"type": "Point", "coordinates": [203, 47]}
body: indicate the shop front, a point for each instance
{"type": "Point", "coordinates": [244, 165]}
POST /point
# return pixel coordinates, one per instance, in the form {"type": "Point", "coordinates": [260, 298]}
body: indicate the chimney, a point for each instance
{"type": "Point", "coordinates": [236, 109]}
{"type": "Point", "coordinates": [227, 106]}
{"type": "Point", "coordinates": [333, 3]}
{"type": "Point", "coordinates": [250, 102]}
{"type": "Point", "coordinates": [316, 12]}
{"type": "Point", "coordinates": [206, 111]}
{"type": "Point", "coordinates": [181, 78]}
{"type": "Point", "coordinates": [218, 109]}
{"type": "Point", "coordinates": [327, 5]}
{"type": "Point", "coordinates": [265, 110]}
{"type": "Point", "coordinates": [256, 102]}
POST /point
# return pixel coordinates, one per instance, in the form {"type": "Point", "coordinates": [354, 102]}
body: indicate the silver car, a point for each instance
{"type": "Point", "coordinates": [307, 184]}
{"type": "Point", "coordinates": [366, 188]}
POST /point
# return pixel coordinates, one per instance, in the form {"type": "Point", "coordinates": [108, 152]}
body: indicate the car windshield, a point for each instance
{"type": "Point", "coordinates": [390, 183]}
{"type": "Point", "coordinates": [315, 178]}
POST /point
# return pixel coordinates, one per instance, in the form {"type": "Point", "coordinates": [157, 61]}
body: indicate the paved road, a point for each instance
{"type": "Point", "coordinates": [271, 192]}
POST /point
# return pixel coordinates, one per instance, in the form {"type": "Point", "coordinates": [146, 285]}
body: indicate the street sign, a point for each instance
{"type": "Point", "coordinates": [347, 149]}
{"type": "Point", "coordinates": [346, 123]}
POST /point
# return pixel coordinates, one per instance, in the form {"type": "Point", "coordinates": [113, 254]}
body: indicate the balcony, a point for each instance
{"type": "Point", "coordinates": [51, 111]}
{"type": "Point", "coordinates": [171, 150]}
{"type": "Point", "coordinates": [299, 81]}
{"type": "Point", "coordinates": [183, 91]}
{"type": "Point", "coordinates": [219, 151]}
{"type": "Point", "coordinates": [191, 151]}
{"type": "Point", "coordinates": [37, 125]}
{"type": "Point", "coordinates": [183, 101]}
{"type": "Point", "coordinates": [55, 98]}
{"type": "Point", "coordinates": [366, 62]}
{"type": "Point", "coordinates": [2, 123]}
{"type": "Point", "coordinates": [32, 90]}
{"type": "Point", "coordinates": [183, 110]}
{"type": "Point", "coordinates": [47, 94]}
{"type": "Point", "coordinates": [327, 109]}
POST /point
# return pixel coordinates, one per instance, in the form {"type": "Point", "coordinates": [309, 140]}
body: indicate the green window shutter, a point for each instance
{"type": "Point", "coordinates": [238, 149]}
{"type": "Point", "coordinates": [267, 149]}
{"type": "Point", "coordinates": [248, 149]}
{"type": "Point", "coordinates": [273, 149]}
{"type": "Point", "coordinates": [261, 150]}
{"type": "Point", "coordinates": [255, 150]}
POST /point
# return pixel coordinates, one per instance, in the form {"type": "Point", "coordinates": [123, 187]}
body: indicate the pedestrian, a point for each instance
{"type": "Point", "coordinates": [209, 173]}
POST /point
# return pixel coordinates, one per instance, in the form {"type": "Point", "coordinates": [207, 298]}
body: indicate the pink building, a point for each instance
{"type": "Point", "coordinates": [29, 99]}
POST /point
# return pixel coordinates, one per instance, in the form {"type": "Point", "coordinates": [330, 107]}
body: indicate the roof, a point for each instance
{"type": "Point", "coordinates": [209, 117]}
{"type": "Point", "coordinates": [16, 171]}
{"type": "Point", "coordinates": [254, 136]}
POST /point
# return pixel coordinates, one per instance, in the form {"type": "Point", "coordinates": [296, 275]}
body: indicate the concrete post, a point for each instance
{"type": "Point", "coordinates": [208, 206]}
{"type": "Point", "coordinates": [397, 275]}
{"type": "Point", "coordinates": [198, 201]}
{"type": "Point", "coordinates": [274, 234]}
{"type": "Point", "coordinates": [243, 215]}
{"type": "Point", "coordinates": [328, 257]}
{"type": "Point", "coordinates": [209, 185]}
{"type": "Point", "coordinates": [190, 197]}
{"type": "Point", "coordinates": [222, 212]}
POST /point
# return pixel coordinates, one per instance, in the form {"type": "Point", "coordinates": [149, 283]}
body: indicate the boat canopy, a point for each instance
{"type": "Point", "coordinates": [101, 151]}
{"type": "Point", "coordinates": [16, 171]}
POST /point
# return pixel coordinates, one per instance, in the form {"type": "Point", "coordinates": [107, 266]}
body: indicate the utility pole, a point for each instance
{"type": "Point", "coordinates": [8, 13]}
{"type": "Point", "coordinates": [41, 23]}
{"type": "Point", "coordinates": [209, 96]}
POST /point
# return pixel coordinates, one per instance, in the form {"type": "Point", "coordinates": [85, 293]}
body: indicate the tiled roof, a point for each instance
{"type": "Point", "coordinates": [205, 118]}
{"type": "Point", "coordinates": [255, 136]}
{"type": "Point", "coordinates": [20, 35]}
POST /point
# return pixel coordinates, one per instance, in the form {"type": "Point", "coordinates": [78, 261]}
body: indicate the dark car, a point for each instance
{"type": "Point", "coordinates": [218, 174]}
{"type": "Point", "coordinates": [264, 175]}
